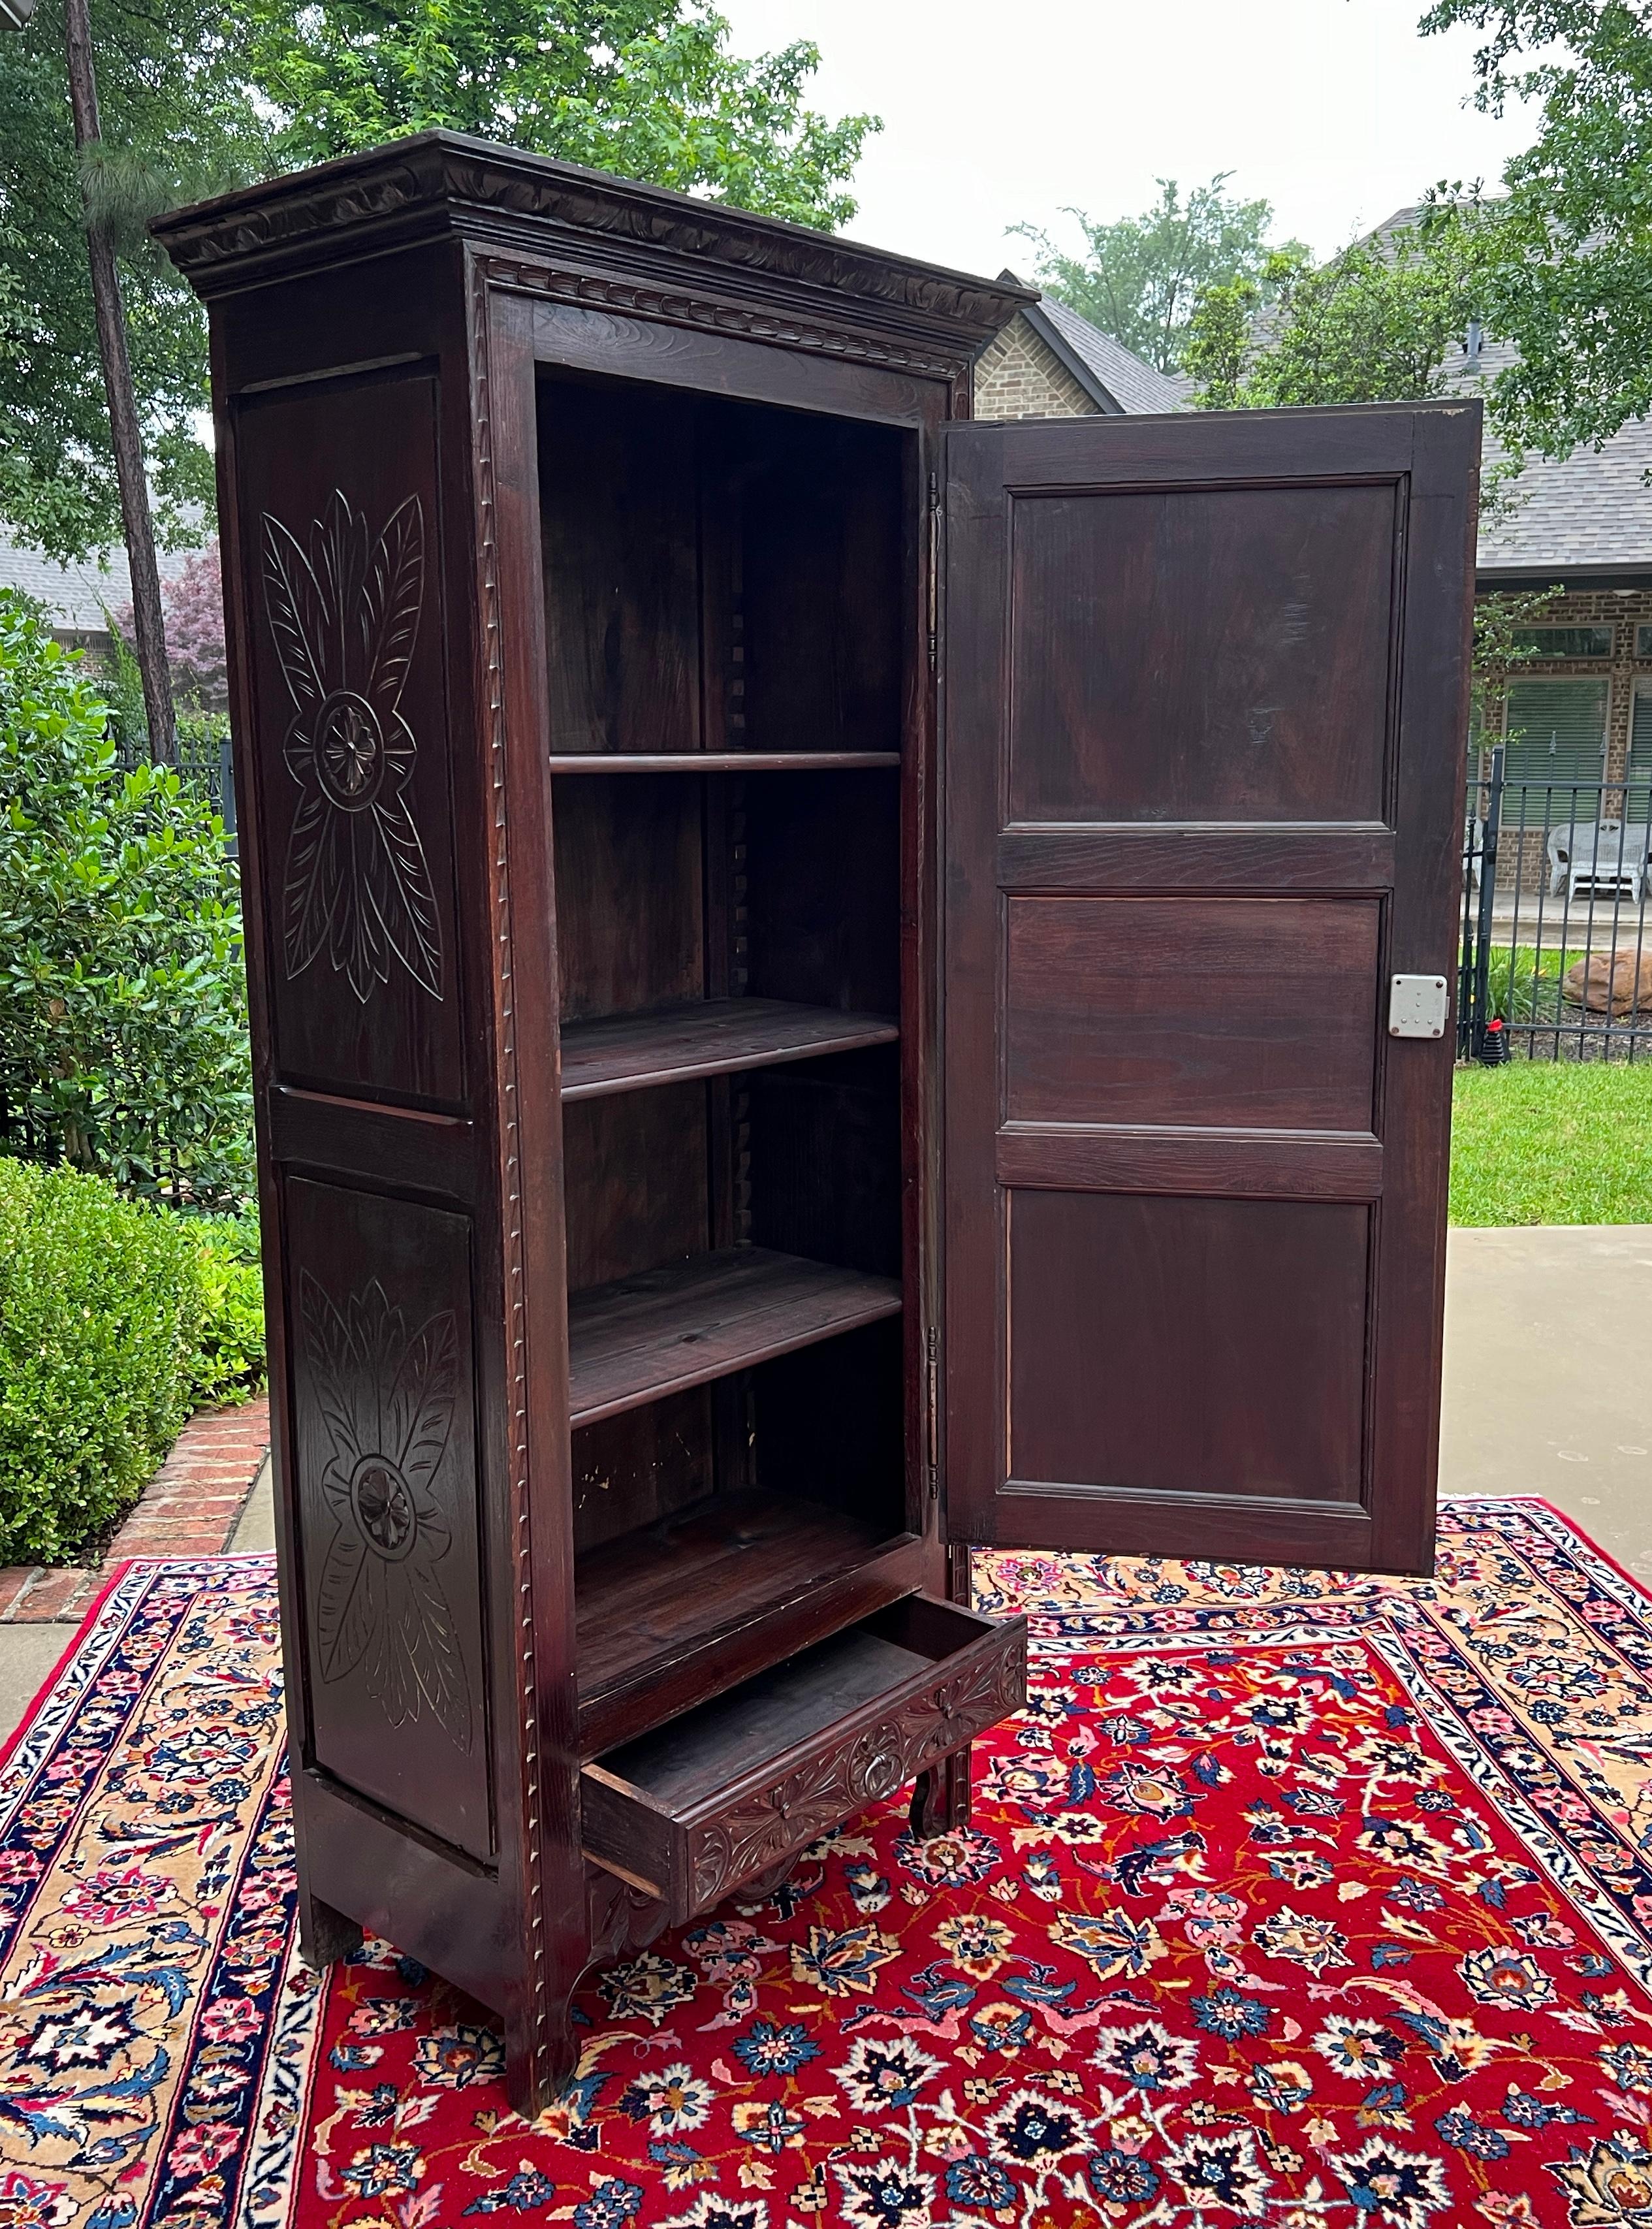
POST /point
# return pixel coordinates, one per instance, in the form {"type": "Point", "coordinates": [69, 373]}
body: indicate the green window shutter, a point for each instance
{"type": "Point", "coordinates": [1557, 732]}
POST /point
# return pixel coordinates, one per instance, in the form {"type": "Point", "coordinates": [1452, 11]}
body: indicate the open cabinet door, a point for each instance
{"type": "Point", "coordinates": [1204, 710]}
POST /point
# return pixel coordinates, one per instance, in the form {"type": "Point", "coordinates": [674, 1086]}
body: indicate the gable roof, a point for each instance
{"type": "Point", "coordinates": [1585, 519]}
{"type": "Point", "coordinates": [1119, 383]}
{"type": "Point", "coordinates": [78, 596]}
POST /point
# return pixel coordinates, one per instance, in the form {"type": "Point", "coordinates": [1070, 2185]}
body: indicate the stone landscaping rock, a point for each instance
{"type": "Point", "coordinates": [1610, 982]}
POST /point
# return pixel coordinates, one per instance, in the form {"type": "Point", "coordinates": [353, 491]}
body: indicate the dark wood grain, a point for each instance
{"type": "Point", "coordinates": [632, 1341]}
{"type": "Point", "coordinates": [1227, 1338]}
{"type": "Point", "coordinates": [1241, 671]}
{"type": "Point", "coordinates": [1199, 801]}
{"type": "Point", "coordinates": [715, 1037]}
{"type": "Point", "coordinates": [1207, 1162]}
{"type": "Point", "coordinates": [636, 1192]}
{"type": "Point", "coordinates": [630, 882]}
{"type": "Point", "coordinates": [1140, 856]}
{"type": "Point", "coordinates": [760, 1562]}
{"type": "Point", "coordinates": [1227, 1012]}
{"type": "Point", "coordinates": [728, 1792]}
{"type": "Point", "coordinates": [340, 515]}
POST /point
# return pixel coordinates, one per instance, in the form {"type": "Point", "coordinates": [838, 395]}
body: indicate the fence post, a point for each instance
{"type": "Point", "coordinates": [1479, 1016]}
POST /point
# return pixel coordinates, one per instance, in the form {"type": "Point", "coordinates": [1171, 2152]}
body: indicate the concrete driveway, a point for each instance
{"type": "Point", "coordinates": [1548, 1375]}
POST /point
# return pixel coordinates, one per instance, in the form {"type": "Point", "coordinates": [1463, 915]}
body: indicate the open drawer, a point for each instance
{"type": "Point", "coordinates": [727, 1791]}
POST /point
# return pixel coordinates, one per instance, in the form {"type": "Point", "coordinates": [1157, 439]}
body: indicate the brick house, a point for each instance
{"type": "Point", "coordinates": [1051, 362]}
{"type": "Point", "coordinates": [1582, 710]}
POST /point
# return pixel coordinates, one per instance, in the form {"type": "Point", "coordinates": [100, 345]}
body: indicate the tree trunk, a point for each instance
{"type": "Point", "coordinates": [148, 624]}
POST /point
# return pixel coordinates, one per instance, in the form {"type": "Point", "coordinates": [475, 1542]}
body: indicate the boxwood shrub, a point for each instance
{"type": "Point", "coordinates": [230, 1357]}
{"type": "Point", "coordinates": [102, 1306]}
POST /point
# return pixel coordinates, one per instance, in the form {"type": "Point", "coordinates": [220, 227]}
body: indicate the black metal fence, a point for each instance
{"type": "Point", "coordinates": [1556, 957]}
{"type": "Point", "coordinates": [205, 764]}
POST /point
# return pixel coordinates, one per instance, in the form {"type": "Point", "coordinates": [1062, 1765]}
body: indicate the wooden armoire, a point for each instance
{"type": "Point", "coordinates": [831, 984]}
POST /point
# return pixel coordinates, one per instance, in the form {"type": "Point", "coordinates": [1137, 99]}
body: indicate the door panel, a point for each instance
{"type": "Point", "coordinates": [1245, 622]}
{"type": "Point", "coordinates": [1205, 698]}
{"type": "Point", "coordinates": [1251, 1011]}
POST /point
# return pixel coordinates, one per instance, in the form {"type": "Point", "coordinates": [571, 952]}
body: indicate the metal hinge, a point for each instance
{"type": "Point", "coordinates": [931, 1408]}
{"type": "Point", "coordinates": [934, 563]}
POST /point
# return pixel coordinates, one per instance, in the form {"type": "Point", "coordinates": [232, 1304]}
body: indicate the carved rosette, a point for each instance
{"type": "Point", "coordinates": [386, 1400]}
{"type": "Point", "coordinates": [864, 1767]}
{"type": "Point", "coordinates": [344, 615]}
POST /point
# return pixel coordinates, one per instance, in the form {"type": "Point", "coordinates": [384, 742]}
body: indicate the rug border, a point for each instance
{"type": "Point", "coordinates": [1642, 1587]}
{"type": "Point", "coordinates": [113, 1580]}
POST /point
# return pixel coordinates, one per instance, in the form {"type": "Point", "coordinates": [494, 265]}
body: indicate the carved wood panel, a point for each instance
{"type": "Point", "coordinates": [762, 1819]}
{"type": "Point", "coordinates": [864, 1766]}
{"type": "Point", "coordinates": [340, 505]}
{"type": "Point", "coordinates": [380, 1331]}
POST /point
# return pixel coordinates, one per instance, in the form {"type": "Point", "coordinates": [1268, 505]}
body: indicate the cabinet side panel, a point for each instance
{"type": "Point", "coordinates": [381, 1335]}
{"type": "Point", "coordinates": [340, 524]}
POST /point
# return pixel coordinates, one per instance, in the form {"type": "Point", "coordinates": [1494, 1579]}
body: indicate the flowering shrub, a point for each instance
{"type": "Point", "coordinates": [192, 608]}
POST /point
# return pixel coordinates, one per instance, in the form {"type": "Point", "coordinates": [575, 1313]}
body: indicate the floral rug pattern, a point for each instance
{"type": "Point", "coordinates": [1316, 1902]}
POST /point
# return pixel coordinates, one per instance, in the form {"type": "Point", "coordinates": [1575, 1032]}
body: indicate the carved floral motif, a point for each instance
{"type": "Point", "coordinates": [386, 1401]}
{"type": "Point", "coordinates": [759, 1832]}
{"type": "Point", "coordinates": [344, 615]}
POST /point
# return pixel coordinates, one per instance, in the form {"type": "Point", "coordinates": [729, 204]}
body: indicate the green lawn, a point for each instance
{"type": "Point", "coordinates": [1553, 1141]}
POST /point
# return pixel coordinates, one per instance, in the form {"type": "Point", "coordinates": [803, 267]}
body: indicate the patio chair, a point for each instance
{"type": "Point", "coordinates": [1609, 858]}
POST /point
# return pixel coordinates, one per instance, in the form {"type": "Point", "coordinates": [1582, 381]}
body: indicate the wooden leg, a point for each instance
{"type": "Point", "coordinates": [324, 1936]}
{"type": "Point", "coordinates": [940, 1797]}
{"type": "Point", "coordinates": [539, 2069]}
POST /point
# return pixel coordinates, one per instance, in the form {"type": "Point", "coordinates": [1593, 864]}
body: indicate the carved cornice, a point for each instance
{"type": "Point", "coordinates": [441, 182]}
{"type": "Point", "coordinates": [669, 306]}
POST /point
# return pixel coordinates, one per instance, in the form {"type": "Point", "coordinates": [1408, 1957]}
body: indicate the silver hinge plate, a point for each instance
{"type": "Point", "coordinates": [1418, 1006]}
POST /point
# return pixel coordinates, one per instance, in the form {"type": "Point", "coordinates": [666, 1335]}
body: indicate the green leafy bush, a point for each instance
{"type": "Point", "coordinates": [101, 1307]}
{"type": "Point", "coordinates": [231, 1359]}
{"type": "Point", "coordinates": [123, 1003]}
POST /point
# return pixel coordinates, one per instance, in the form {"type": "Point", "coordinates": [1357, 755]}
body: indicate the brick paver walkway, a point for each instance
{"type": "Point", "coordinates": [189, 1508]}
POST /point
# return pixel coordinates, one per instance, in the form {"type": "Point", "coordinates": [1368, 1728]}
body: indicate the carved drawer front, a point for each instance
{"type": "Point", "coordinates": [725, 1793]}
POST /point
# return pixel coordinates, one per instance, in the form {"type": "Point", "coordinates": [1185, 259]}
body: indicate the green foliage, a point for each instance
{"type": "Point", "coordinates": [1138, 279]}
{"type": "Point", "coordinates": [122, 1024]}
{"type": "Point", "coordinates": [1501, 618]}
{"type": "Point", "coordinates": [1568, 271]}
{"type": "Point", "coordinates": [646, 88]}
{"type": "Point", "coordinates": [177, 120]}
{"type": "Point", "coordinates": [1553, 1141]}
{"type": "Point", "coordinates": [231, 1357]}
{"type": "Point", "coordinates": [195, 100]}
{"type": "Point", "coordinates": [100, 1304]}
{"type": "Point", "coordinates": [1377, 323]}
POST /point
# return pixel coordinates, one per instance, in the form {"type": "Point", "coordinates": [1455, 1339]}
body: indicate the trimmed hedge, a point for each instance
{"type": "Point", "coordinates": [102, 1307]}
{"type": "Point", "coordinates": [231, 1361]}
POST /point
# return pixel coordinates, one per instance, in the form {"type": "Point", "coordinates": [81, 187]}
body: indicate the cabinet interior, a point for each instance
{"type": "Point", "coordinates": [729, 598]}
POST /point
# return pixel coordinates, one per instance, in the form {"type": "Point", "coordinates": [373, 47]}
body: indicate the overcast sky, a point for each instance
{"type": "Point", "coordinates": [1334, 109]}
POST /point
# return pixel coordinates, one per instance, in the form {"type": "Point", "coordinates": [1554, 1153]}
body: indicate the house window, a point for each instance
{"type": "Point", "coordinates": [1643, 642]}
{"type": "Point", "coordinates": [1638, 806]}
{"type": "Point", "coordinates": [1556, 731]}
{"type": "Point", "coordinates": [1566, 641]}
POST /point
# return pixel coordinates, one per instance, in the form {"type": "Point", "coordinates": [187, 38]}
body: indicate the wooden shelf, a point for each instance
{"type": "Point", "coordinates": [632, 1341]}
{"type": "Point", "coordinates": [655, 1610]}
{"type": "Point", "coordinates": [630, 1052]}
{"type": "Point", "coordinates": [717, 762]}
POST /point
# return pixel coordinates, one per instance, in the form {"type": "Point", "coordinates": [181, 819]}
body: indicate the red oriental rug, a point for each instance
{"type": "Point", "coordinates": [1315, 1902]}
